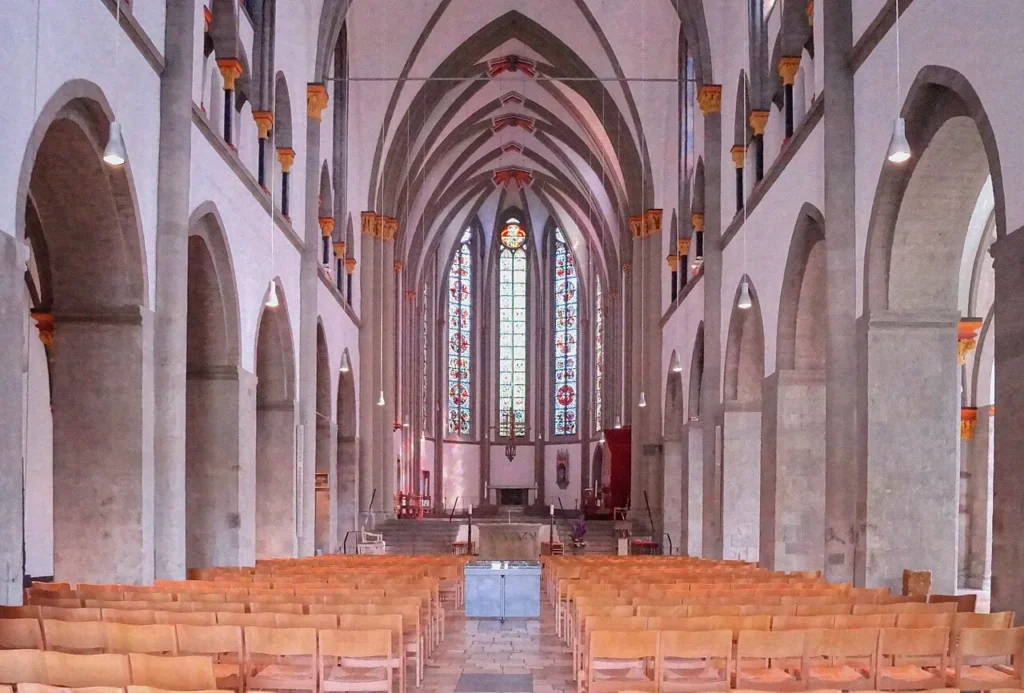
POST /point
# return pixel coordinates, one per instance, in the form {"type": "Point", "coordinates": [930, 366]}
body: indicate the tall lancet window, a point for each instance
{"type": "Point", "coordinates": [512, 270]}
{"type": "Point", "coordinates": [566, 312]}
{"type": "Point", "coordinates": [598, 354]}
{"type": "Point", "coordinates": [460, 337]}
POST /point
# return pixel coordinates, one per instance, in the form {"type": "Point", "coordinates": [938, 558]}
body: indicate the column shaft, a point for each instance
{"type": "Point", "coordinates": [13, 324]}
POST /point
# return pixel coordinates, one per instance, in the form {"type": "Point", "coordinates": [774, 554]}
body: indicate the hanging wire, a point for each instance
{"type": "Point", "coordinates": [643, 202]}
{"type": "Point", "coordinates": [746, 115]}
{"type": "Point", "coordinates": [899, 89]}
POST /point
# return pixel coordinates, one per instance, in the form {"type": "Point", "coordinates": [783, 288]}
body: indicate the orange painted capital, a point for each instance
{"type": "Point", "coordinates": [264, 122]}
{"type": "Point", "coordinates": [350, 265]}
{"type": "Point", "coordinates": [316, 100]}
{"type": "Point", "coordinates": [286, 155]}
{"type": "Point", "coordinates": [230, 70]}
{"type": "Point", "coordinates": [682, 247]}
{"type": "Point", "coordinates": [339, 249]}
{"type": "Point", "coordinates": [326, 226]}
{"type": "Point", "coordinates": [697, 221]}
{"type": "Point", "coordinates": [739, 155]}
{"type": "Point", "coordinates": [758, 121]}
{"type": "Point", "coordinates": [709, 97]}
{"type": "Point", "coordinates": [788, 67]}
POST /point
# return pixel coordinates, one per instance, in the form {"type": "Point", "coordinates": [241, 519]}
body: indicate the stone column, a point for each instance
{"type": "Point", "coordinates": [789, 66]}
{"type": "Point", "coordinates": [13, 367]}
{"type": "Point", "coordinates": [741, 481]}
{"type": "Point", "coordinates": [369, 359]}
{"type": "Point", "coordinates": [386, 441]}
{"type": "Point", "coordinates": [674, 493]}
{"type": "Point", "coordinates": [691, 544]}
{"type": "Point", "coordinates": [913, 444]}
{"type": "Point", "coordinates": [220, 470]}
{"type": "Point", "coordinates": [230, 70]}
{"type": "Point", "coordinates": [710, 99]}
{"type": "Point", "coordinates": [173, 180]}
{"type": "Point", "coordinates": [103, 452]}
{"type": "Point", "coordinates": [793, 471]}
{"type": "Point", "coordinates": [347, 512]}
{"type": "Point", "coordinates": [309, 281]}
{"type": "Point", "coordinates": [276, 516]}
{"type": "Point", "coordinates": [1008, 476]}
{"type": "Point", "coordinates": [326, 503]}
{"type": "Point", "coordinates": [979, 500]}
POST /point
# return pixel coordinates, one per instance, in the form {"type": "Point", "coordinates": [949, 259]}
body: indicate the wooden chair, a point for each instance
{"type": "Point", "coordinates": [83, 671]}
{"type": "Point", "coordinates": [390, 622]}
{"type": "Point", "coordinates": [337, 609]}
{"type": "Point", "coordinates": [22, 666]}
{"type": "Point", "coordinates": [901, 656]}
{"type": "Point", "coordinates": [802, 622]}
{"type": "Point", "coordinates": [980, 644]}
{"type": "Point", "coordinates": [280, 658]}
{"type": "Point", "coordinates": [223, 643]}
{"type": "Point", "coordinates": [844, 659]}
{"type": "Point", "coordinates": [965, 603]}
{"type": "Point", "coordinates": [694, 661]}
{"type": "Point", "coordinates": [413, 636]}
{"type": "Point", "coordinates": [20, 634]}
{"type": "Point", "coordinates": [350, 661]}
{"type": "Point", "coordinates": [75, 637]}
{"type": "Point", "coordinates": [65, 603]}
{"type": "Point", "coordinates": [19, 612]}
{"type": "Point", "coordinates": [60, 613]}
{"type": "Point", "coordinates": [117, 604]}
{"type": "Point", "coordinates": [45, 688]}
{"type": "Point", "coordinates": [152, 639]}
{"type": "Point", "coordinates": [264, 620]}
{"type": "Point", "coordinates": [129, 616]}
{"type": "Point", "coordinates": [611, 662]}
{"type": "Point", "coordinates": [838, 609]}
{"type": "Point", "coordinates": [191, 673]}
{"type": "Point", "coordinates": [771, 651]}
{"type": "Point", "coordinates": [276, 608]}
{"type": "Point", "coordinates": [208, 618]}
{"type": "Point", "coordinates": [317, 621]}
{"type": "Point", "coordinates": [866, 621]}
{"type": "Point", "coordinates": [912, 620]}
{"type": "Point", "coordinates": [150, 689]}
{"type": "Point", "coordinates": [218, 607]}
{"type": "Point", "coordinates": [674, 611]}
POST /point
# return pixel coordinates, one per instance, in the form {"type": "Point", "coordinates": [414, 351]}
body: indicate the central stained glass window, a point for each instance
{"type": "Point", "coordinates": [512, 269]}
{"type": "Point", "coordinates": [566, 312]}
{"type": "Point", "coordinates": [460, 337]}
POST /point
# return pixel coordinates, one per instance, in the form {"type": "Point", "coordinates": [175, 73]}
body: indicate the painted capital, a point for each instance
{"type": "Point", "coordinates": [230, 70]}
{"type": "Point", "coordinates": [316, 100]}
{"type": "Point", "coordinates": [636, 226]}
{"type": "Point", "coordinates": [369, 223]}
{"type": "Point", "coordinates": [326, 226]}
{"type": "Point", "coordinates": [264, 122]}
{"type": "Point", "coordinates": [968, 421]}
{"type": "Point", "coordinates": [709, 97]}
{"type": "Point", "coordinates": [339, 249]}
{"type": "Point", "coordinates": [207, 18]}
{"type": "Point", "coordinates": [388, 228]}
{"type": "Point", "coordinates": [399, 266]}
{"type": "Point", "coordinates": [673, 262]}
{"type": "Point", "coordinates": [739, 155]}
{"type": "Point", "coordinates": [652, 221]}
{"type": "Point", "coordinates": [682, 247]}
{"type": "Point", "coordinates": [627, 267]}
{"type": "Point", "coordinates": [788, 67]}
{"type": "Point", "coordinates": [967, 338]}
{"type": "Point", "coordinates": [286, 155]}
{"type": "Point", "coordinates": [44, 323]}
{"type": "Point", "coordinates": [697, 221]}
{"type": "Point", "coordinates": [410, 294]}
{"type": "Point", "coordinates": [350, 265]}
{"type": "Point", "coordinates": [758, 121]}
{"type": "Point", "coordinates": [810, 12]}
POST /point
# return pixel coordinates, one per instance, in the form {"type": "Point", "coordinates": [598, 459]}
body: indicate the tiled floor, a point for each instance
{"type": "Point", "coordinates": [523, 648]}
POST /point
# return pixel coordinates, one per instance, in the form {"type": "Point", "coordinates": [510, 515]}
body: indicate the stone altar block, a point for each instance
{"type": "Point", "coordinates": [502, 589]}
{"type": "Point", "coordinates": [508, 542]}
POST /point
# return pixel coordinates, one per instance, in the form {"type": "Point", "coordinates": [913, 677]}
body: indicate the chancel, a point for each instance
{"type": "Point", "coordinates": [731, 284]}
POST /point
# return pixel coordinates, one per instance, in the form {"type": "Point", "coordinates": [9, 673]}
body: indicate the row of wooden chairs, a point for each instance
{"type": "Point", "coordinates": [25, 687]}
{"type": "Point", "coordinates": [890, 659]}
{"type": "Point", "coordinates": [273, 658]}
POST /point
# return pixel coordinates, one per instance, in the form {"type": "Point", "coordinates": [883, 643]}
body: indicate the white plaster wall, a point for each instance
{"type": "Point", "coordinates": [462, 474]}
{"type": "Point", "coordinates": [864, 12]}
{"type": "Point", "coordinates": [38, 464]}
{"type": "Point", "coordinates": [341, 333]}
{"type": "Point", "coordinates": [518, 472]}
{"type": "Point", "coordinates": [679, 334]}
{"type": "Point", "coordinates": [570, 496]}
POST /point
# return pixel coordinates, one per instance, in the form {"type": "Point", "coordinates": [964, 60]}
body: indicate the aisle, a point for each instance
{"type": "Point", "coordinates": [480, 656]}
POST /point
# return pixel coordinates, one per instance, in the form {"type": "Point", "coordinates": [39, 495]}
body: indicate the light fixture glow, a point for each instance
{"type": "Point", "coordinates": [675, 365]}
{"type": "Point", "coordinates": [618, 422]}
{"type": "Point", "coordinates": [899, 147]}
{"type": "Point", "coordinates": [346, 366]}
{"type": "Point", "coordinates": [115, 153]}
{"type": "Point", "coordinates": [744, 301]}
{"type": "Point", "coordinates": [380, 399]}
{"type": "Point", "coordinates": [643, 400]}
{"type": "Point", "coordinates": [272, 299]}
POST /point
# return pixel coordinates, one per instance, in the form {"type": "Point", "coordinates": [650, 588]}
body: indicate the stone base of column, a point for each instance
{"type": "Point", "coordinates": [793, 471]}
{"type": "Point", "coordinates": [347, 512]}
{"type": "Point", "coordinates": [741, 483]}
{"type": "Point", "coordinates": [692, 544]}
{"type": "Point", "coordinates": [13, 324]}
{"type": "Point", "coordinates": [674, 495]}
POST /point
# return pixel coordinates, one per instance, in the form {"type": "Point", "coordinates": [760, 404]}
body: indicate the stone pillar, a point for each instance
{"type": "Point", "coordinates": [674, 494]}
{"type": "Point", "coordinates": [788, 68]}
{"type": "Point", "coordinates": [309, 283]}
{"type": "Point", "coordinates": [793, 471]}
{"type": "Point", "coordinates": [844, 467]}
{"type": "Point", "coordinates": [103, 447]}
{"type": "Point", "coordinates": [276, 504]}
{"type": "Point", "coordinates": [1008, 476]}
{"type": "Point", "coordinates": [326, 504]}
{"type": "Point", "coordinates": [173, 181]}
{"type": "Point", "coordinates": [979, 448]}
{"type": "Point", "coordinates": [741, 482]}
{"type": "Point", "coordinates": [220, 468]}
{"type": "Point", "coordinates": [13, 324]}
{"type": "Point", "coordinates": [691, 544]}
{"type": "Point", "coordinates": [347, 512]}
{"type": "Point", "coordinates": [710, 99]}
{"type": "Point", "coordinates": [387, 479]}
{"type": "Point", "coordinates": [912, 445]}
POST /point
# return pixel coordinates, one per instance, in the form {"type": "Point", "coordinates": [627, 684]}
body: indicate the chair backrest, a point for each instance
{"type": "Point", "coordinates": [216, 597]}
{"type": "Point", "coordinates": [801, 622]}
{"type": "Point", "coordinates": [337, 609]}
{"type": "Point", "coordinates": [19, 611]}
{"type": "Point", "coordinates": [1000, 619]}
{"type": "Point", "coordinates": [763, 644]}
{"type": "Point", "coordinates": [696, 644]}
{"type": "Point", "coordinates": [150, 689]}
{"type": "Point", "coordinates": [20, 634]}
{"type": "Point", "coordinates": [365, 643]}
{"type": "Point", "coordinates": [60, 613]}
{"type": "Point", "coordinates": [913, 642]}
{"type": "Point", "coordinates": [218, 607]}
{"type": "Point", "coordinates": [45, 688]}
{"type": "Point", "coordinates": [318, 621]}
{"type": "Point", "coordinates": [912, 620]}
{"type": "Point", "coordinates": [115, 604]}
{"type": "Point", "coordinates": [865, 621]}
{"type": "Point", "coordinates": [665, 611]}
{"type": "Point", "coordinates": [229, 618]}
{"type": "Point", "coordinates": [612, 623]}
{"type": "Point", "coordinates": [605, 644]}
{"type": "Point", "coordinates": [840, 644]}
{"type": "Point", "coordinates": [281, 642]}
{"type": "Point", "coordinates": [65, 603]}
{"type": "Point", "coordinates": [135, 617]}
{"type": "Point", "coordinates": [276, 608]}
{"type": "Point", "coordinates": [965, 603]}
{"type": "Point", "coordinates": [207, 618]}
{"type": "Point", "coordinates": [838, 609]}
{"type": "Point", "coordinates": [75, 636]}
{"type": "Point", "coordinates": [151, 639]}
{"type": "Point", "coordinates": [22, 666]}
{"type": "Point", "coordinates": [354, 622]}
{"type": "Point", "coordinates": [81, 671]}
{"type": "Point", "coordinates": [208, 640]}
{"type": "Point", "coordinates": [991, 642]}
{"type": "Point", "coordinates": [669, 623]}
{"type": "Point", "coordinates": [192, 673]}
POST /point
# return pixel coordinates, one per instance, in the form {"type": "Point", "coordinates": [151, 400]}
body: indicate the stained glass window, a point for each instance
{"type": "Point", "coordinates": [425, 357]}
{"type": "Point", "coordinates": [566, 314]}
{"type": "Point", "coordinates": [460, 337]}
{"type": "Point", "coordinates": [512, 329]}
{"type": "Point", "coordinates": [598, 353]}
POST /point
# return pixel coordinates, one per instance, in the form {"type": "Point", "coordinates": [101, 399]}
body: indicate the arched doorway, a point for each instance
{"type": "Point", "coordinates": [325, 529]}
{"type": "Point", "coordinates": [214, 470]}
{"type": "Point", "coordinates": [347, 510]}
{"type": "Point", "coordinates": [741, 432]}
{"type": "Point", "coordinates": [277, 505]}
{"type": "Point", "coordinates": [87, 289]}
{"type": "Point", "coordinates": [916, 244]}
{"type": "Point", "coordinates": [674, 453]}
{"type": "Point", "coordinates": [694, 491]}
{"type": "Point", "coordinates": [793, 412]}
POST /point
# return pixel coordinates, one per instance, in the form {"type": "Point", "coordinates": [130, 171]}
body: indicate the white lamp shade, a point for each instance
{"type": "Point", "coordinates": [380, 399]}
{"type": "Point", "coordinates": [899, 147]}
{"type": "Point", "coordinates": [744, 301]}
{"type": "Point", "coordinates": [115, 152]}
{"type": "Point", "coordinates": [346, 366]}
{"type": "Point", "coordinates": [643, 400]}
{"type": "Point", "coordinates": [272, 299]}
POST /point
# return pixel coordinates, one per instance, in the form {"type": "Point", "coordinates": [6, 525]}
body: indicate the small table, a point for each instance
{"type": "Point", "coordinates": [503, 589]}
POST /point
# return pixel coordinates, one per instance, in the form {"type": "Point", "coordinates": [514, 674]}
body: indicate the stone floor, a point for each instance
{"type": "Point", "coordinates": [484, 656]}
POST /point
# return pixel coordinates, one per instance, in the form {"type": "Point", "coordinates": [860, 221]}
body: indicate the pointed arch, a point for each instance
{"type": "Point", "coordinates": [744, 353]}
{"type": "Point", "coordinates": [697, 373]}
{"type": "Point", "coordinates": [566, 314]}
{"type": "Point", "coordinates": [675, 406]}
{"type": "Point", "coordinates": [282, 113]}
{"type": "Point", "coordinates": [801, 340]}
{"type": "Point", "coordinates": [460, 293]}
